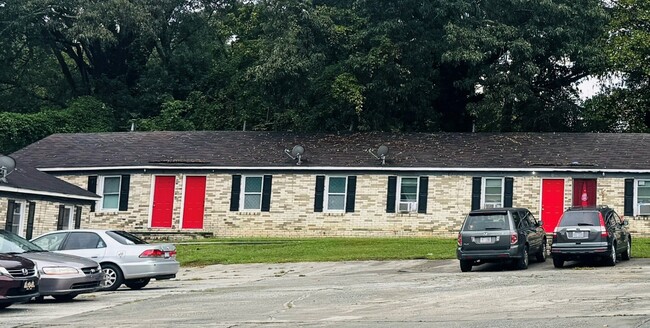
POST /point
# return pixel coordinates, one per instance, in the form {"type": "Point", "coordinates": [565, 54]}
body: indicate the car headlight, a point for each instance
{"type": "Point", "coordinates": [4, 272]}
{"type": "Point", "coordinates": [59, 270]}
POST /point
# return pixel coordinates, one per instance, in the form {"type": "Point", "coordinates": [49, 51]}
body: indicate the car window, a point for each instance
{"type": "Point", "coordinates": [617, 218]}
{"type": "Point", "coordinates": [532, 219]}
{"type": "Point", "coordinates": [517, 219]}
{"type": "Point", "coordinates": [483, 222]}
{"type": "Point", "coordinates": [83, 240]}
{"type": "Point", "coordinates": [579, 218]}
{"type": "Point", "coordinates": [610, 219]}
{"type": "Point", "coordinates": [125, 238]}
{"type": "Point", "coordinates": [51, 242]}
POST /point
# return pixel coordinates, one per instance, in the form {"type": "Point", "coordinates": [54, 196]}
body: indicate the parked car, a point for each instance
{"type": "Point", "coordinates": [18, 277]}
{"type": "Point", "coordinates": [61, 276]}
{"type": "Point", "coordinates": [591, 232]}
{"type": "Point", "coordinates": [125, 258]}
{"type": "Point", "coordinates": [500, 235]}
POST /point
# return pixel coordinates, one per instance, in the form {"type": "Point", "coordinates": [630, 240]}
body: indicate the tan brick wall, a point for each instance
{"type": "Point", "coordinates": [45, 215]}
{"type": "Point", "coordinates": [292, 204]}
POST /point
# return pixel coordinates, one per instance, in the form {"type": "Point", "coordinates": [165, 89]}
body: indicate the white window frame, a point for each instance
{"type": "Point", "coordinates": [413, 208]}
{"type": "Point", "coordinates": [243, 193]}
{"type": "Point", "coordinates": [484, 185]}
{"type": "Point", "coordinates": [327, 194]}
{"type": "Point", "coordinates": [100, 192]}
{"type": "Point", "coordinates": [21, 219]}
{"type": "Point", "coordinates": [70, 217]}
{"type": "Point", "coordinates": [637, 205]}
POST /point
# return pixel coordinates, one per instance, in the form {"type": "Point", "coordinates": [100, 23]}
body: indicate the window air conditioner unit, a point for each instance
{"type": "Point", "coordinates": [644, 209]}
{"type": "Point", "coordinates": [408, 207]}
{"type": "Point", "coordinates": [492, 205]}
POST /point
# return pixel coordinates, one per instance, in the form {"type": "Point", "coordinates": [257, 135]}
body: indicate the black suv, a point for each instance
{"type": "Point", "coordinates": [18, 280]}
{"type": "Point", "coordinates": [590, 232]}
{"type": "Point", "coordinates": [500, 235]}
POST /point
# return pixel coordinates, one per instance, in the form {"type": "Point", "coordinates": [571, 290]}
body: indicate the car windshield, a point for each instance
{"type": "Point", "coordinates": [14, 244]}
{"type": "Point", "coordinates": [486, 221]}
{"type": "Point", "coordinates": [580, 218]}
{"type": "Point", "coordinates": [125, 238]}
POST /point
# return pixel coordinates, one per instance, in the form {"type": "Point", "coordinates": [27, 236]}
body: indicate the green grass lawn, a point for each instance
{"type": "Point", "coordinates": [273, 250]}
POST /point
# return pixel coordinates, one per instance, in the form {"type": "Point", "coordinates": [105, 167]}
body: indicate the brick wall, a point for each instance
{"type": "Point", "coordinates": [292, 207]}
{"type": "Point", "coordinates": [45, 215]}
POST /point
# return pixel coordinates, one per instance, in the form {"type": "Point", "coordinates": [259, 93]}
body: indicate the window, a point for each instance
{"type": "Point", "coordinates": [17, 218]}
{"type": "Point", "coordinates": [642, 199]}
{"type": "Point", "coordinates": [83, 240]}
{"type": "Point", "coordinates": [252, 195]}
{"type": "Point", "coordinates": [68, 221]}
{"type": "Point", "coordinates": [110, 192]}
{"type": "Point", "coordinates": [492, 193]}
{"type": "Point", "coordinates": [51, 242]}
{"type": "Point", "coordinates": [335, 193]}
{"type": "Point", "coordinates": [408, 194]}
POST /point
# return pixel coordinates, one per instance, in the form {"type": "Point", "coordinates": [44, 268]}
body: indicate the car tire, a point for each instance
{"type": "Point", "coordinates": [522, 263]}
{"type": "Point", "coordinates": [628, 252]}
{"type": "Point", "coordinates": [558, 262]}
{"type": "Point", "coordinates": [541, 256]}
{"type": "Point", "coordinates": [137, 283]}
{"type": "Point", "coordinates": [113, 277]}
{"type": "Point", "coordinates": [611, 259]}
{"type": "Point", "coordinates": [465, 266]}
{"type": "Point", "coordinates": [65, 297]}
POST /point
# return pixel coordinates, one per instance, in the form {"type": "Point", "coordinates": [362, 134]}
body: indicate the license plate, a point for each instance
{"type": "Point", "coordinates": [485, 240]}
{"type": "Point", "coordinates": [580, 234]}
{"type": "Point", "coordinates": [166, 255]}
{"type": "Point", "coordinates": [29, 285]}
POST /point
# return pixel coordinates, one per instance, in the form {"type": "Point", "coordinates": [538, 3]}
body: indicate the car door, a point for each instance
{"type": "Point", "coordinates": [613, 225]}
{"type": "Point", "coordinates": [528, 229]}
{"type": "Point", "coordinates": [85, 244]}
{"type": "Point", "coordinates": [540, 233]}
{"type": "Point", "coordinates": [621, 227]}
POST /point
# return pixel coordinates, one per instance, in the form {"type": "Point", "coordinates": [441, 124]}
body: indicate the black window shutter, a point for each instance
{"type": "Point", "coordinates": [234, 192]}
{"type": "Point", "coordinates": [77, 217]}
{"type": "Point", "coordinates": [59, 221]}
{"type": "Point", "coordinates": [351, 194]}
{"type": "Point", "coordinates": [92, 187]}
{"type": "Point", "coordinates": [266, 193]}
{"type": "Point", "coordinates": [422, 194]}
{"type": "Point", "coordinates": [628, 209]}
{"type": "Point", "coordinates": [507, 193]}
{"type": "Point", "coordinates": [10, 215]}
{"type": "Point", "coordinates": [476, 193]}
{"type": "Point", "coordinates": [30, 220]}
{"type": "Point", "coordinates": [392, 190]}
{"type": "Point", "coordinates": [124, 192]}
{"type": "Point", "coordinates": [318, 197]}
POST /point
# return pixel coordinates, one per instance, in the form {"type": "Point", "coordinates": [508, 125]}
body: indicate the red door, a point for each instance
{"type": "Point", "coordinates": [163, 202]}
{"type": "Point", "coordinates": [552, 202]}
{"type": "Point", "coordinates": [584, 192]}
{"type": "Point", "coordinates": [194, 203]}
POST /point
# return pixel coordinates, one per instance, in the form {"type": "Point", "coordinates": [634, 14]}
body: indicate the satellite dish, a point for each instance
{"type": "Point", "coordinates": [296, 153]}
{"type": "Point", "coordinates": [7, 165]}
{"type": "Point", "coordinates": [297, 150]}
{"type": "Point", "coordinates": [382, 150]}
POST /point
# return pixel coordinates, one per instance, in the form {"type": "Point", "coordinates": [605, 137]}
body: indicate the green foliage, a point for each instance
{"type": "Point", "coordinates": [84, 114]}
{"type": "Point", "coordinates": [273, 250]}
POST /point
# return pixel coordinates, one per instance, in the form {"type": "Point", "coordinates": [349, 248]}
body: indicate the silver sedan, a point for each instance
{"type": "Point", "coordinates": [124, 258]}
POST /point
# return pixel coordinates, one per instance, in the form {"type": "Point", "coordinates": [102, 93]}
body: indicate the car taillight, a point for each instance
{"type": "Point", "coordinates": [172, 253]}
{"type": "Point", "coordinates": [555, 234]}
{"type": "Point", "coordinates": [514, 238]}
{"type": "Point", "coordinates": [460, 239]}
{"type": "Point", "coordinates": [603, 230]}
{"type": "Point", "coordinates": [153, 253]}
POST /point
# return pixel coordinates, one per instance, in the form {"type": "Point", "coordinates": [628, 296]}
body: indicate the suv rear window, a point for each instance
{"type": "Point", "coordinates": [484, 222]}
{"type": "Point", "coordinates": [580, 218]}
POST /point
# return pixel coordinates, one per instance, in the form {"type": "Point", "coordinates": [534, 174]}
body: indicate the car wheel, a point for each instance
{"type": "Point", "coordinates": [611, 259]}
{"type": "Point", "coordinates": [137, 283]}
{"type": "Point", "coordinates": [465, 266]}
{"type": "Point", "coordinates": [628, 252]}
{"type": "Point", "coordinates": [558, 262]}
{"type": "Point", "coordinates": [65, 297]}
{"type": "Point", "coordinates": [522, 263]}
{"type": "Point", "coordinates": [113, 277]}
{"type": "Point", "coordinates": [541, 256]}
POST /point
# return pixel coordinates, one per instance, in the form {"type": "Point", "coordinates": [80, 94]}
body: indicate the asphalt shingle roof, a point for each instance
{"type": "Point", "coordinates": [25, 177]}
{"type": "Point", "coordinates": [412, 150]}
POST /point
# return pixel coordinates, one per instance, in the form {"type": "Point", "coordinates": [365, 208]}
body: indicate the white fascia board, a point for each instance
{"type": "Point", "coordinates": [340, 168]}
{"type": "Point", "coordinates": [46, 193]}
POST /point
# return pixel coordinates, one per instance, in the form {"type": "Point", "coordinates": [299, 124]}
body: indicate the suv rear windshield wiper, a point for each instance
{"type": "Point", "coordinates": [494, 228]}
{"type": "Point", "coordinates": [585, 224]}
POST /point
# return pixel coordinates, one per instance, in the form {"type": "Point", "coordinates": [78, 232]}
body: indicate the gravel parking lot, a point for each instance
{"type": "Point", "coordinates": [410, 294]}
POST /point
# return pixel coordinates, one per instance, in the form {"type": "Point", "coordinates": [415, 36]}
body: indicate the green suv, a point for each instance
{"type": "Point", "coordinates": [596, 232]}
